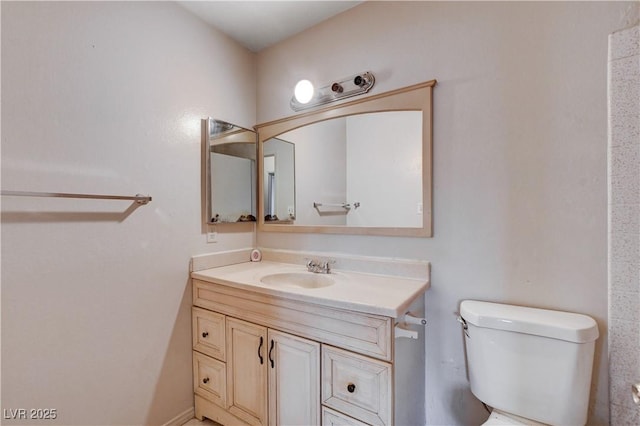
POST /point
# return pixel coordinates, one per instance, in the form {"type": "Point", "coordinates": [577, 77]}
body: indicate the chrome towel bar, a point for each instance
{"type": "Point", "coordinates": [343, 205]}
{"type": "Point", "coordinates": [140, 199]}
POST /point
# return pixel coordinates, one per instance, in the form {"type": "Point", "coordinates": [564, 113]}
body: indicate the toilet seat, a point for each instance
{"type": "Point", "coordinates": [500, 418]}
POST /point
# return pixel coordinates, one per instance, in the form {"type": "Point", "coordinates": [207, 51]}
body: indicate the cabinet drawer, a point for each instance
{"type": "Point", "coordinates": [210, 379]}
{"type": "Point", "coordinates": [333, 418]}
{"type": "Point", "coordinates": [208, 333]}
{"type": "Point", "coordinates": [356, 385]}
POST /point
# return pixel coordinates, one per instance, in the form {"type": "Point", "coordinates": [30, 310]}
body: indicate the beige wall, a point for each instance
{"type": "Point", "coordinates": [107, 97]}
{"type": "Point", "coordinates": [520, 166]}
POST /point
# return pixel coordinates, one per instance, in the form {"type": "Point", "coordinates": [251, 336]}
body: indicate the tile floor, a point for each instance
{"type": "Point", "coordinates": [205, 422]}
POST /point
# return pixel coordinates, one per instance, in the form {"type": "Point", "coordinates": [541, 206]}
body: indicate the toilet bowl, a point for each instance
{"type": "Point", "coordinates": [500, 418]}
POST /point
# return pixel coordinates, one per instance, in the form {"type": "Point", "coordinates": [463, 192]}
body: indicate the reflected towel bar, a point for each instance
{"type": "Point", "coordinates": [346, 206]}
{"type": "Point", "coordinates": [140, 199]}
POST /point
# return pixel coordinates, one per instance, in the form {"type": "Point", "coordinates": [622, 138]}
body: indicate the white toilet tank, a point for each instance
{"type": "Point", "coordinates": [534, 363]}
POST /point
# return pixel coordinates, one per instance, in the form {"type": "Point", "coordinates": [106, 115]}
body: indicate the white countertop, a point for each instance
{"type": "Point", "coordinates": [369, 293]}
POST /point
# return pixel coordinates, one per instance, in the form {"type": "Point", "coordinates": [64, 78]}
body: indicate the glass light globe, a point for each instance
{"type": "Point", "coordinates": [303, 91]}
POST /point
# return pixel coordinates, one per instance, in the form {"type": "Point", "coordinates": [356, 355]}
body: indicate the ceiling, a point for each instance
{"type": "Point", "coordinates": [260, 24]}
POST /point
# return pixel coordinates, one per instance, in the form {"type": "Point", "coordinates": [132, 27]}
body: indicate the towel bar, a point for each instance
{"type": "Point", "coordinates": [140, 199]}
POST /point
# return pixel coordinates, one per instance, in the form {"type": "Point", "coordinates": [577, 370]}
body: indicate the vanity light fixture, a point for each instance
{"type": "Point", "coordinates": [305, 96]}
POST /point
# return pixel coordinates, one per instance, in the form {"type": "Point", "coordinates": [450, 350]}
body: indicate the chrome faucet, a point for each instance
{"type": "Point", "coordinates": [319, 267]}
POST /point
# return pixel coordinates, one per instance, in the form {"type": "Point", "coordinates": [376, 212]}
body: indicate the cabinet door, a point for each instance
{"type": "Point", "coordinates": [247, 371]}
{"type": "Point", "coordinates": [294, 380]}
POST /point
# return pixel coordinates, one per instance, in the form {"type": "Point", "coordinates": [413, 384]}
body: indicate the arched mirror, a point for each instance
{"type": "Point", "coordinates": [230, 164]}
{"type": "Point", "coordinates": [361, 167]}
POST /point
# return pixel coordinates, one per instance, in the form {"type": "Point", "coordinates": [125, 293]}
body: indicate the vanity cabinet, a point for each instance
{"type": "Point", "coordinates": [263, 359]}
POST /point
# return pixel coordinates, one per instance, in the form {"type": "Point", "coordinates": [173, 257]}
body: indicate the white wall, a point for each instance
{"type": "Point", "coordinates": [107, 97]}
{"type": "Point", "coordinates": [520, 143]}
{"type": "Point", "coordinates": [624, 229]}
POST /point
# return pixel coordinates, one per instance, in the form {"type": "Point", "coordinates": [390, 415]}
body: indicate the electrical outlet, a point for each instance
{"type": "Point", "coordinates": [212, 237]}
{"type": "Point", "coordinates": [290, 210]}
{"type": "Point", "coordinates": [419, 209]}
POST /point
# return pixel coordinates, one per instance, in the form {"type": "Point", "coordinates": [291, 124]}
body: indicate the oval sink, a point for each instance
{"type": "Point", "coordinates": [297, 279]}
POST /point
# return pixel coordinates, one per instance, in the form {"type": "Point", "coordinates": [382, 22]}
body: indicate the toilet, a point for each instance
{"type": "Point", "coordinates": [532, 366]}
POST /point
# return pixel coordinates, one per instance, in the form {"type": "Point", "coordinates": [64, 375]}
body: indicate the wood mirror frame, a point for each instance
{"type": "Point", "coordinates": [418, 97]}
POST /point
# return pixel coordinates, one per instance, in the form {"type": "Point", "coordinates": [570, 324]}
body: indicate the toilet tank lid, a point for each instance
{"type": "Point", "coordinates": [567, 326]}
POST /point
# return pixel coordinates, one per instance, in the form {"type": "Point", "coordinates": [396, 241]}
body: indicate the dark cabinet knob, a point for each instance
{"type": "Point", "coordinates": [205, 334]}
{"type": "Point", "coordinates": [205, 380]}
{"type": "Point", "coordinates": [351, 388]}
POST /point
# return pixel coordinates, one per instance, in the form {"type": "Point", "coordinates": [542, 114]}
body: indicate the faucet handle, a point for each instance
{"type": "Point", "coordinates": [326, 265]}
{"type": "Point", "coordinates": [311, 264]}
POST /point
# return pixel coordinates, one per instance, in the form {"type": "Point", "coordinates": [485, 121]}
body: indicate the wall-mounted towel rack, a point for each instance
{"type": "Point", "coordinates": [345, 206]}
{"type": "Point", "coordinates": [140, 199]}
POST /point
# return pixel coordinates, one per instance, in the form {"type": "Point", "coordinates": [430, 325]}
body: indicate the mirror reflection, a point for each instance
{"type": "Point", "coordinates": [363, 170]}
{"type": "Point", "coordinates": [359, 167]}
{"type": "Point", "coordinates": [279, 181]}
{"type": "Point", "coordinates": [231, 172]}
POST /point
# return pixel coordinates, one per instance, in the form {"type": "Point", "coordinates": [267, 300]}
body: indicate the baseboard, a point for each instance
{"type": "Point", "coordinates": [181, 418]}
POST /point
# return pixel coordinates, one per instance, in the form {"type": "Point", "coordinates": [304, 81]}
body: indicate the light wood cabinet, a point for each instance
{"type": "Point", "coordinates": [209, 333]}
{"type": "Point", "coordinates": [262, 358]}
{"type": "Point", "coordinates": [269, 377]}
{"type": "Point", "coordinates": [210, 378]}
{"type": "Point", "coordinates": [357, 385]}
{"type": "Point", "coordinates": [294, 380]}
{"type": "Point", "coordinates": [334, 418]}
{"type": "Point", "coordinates": [292, 366]}
{"type": "Point", "coordinates": [247, 371]}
